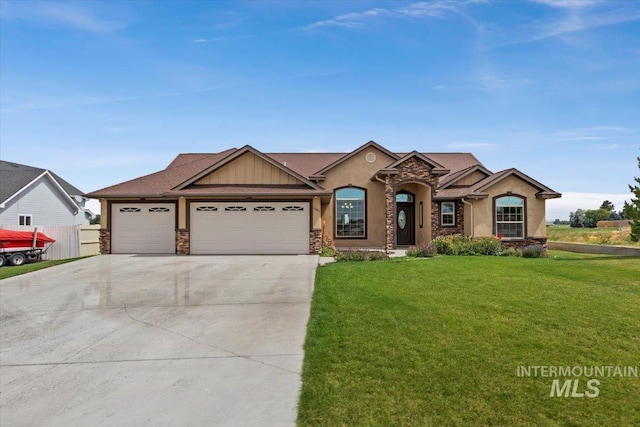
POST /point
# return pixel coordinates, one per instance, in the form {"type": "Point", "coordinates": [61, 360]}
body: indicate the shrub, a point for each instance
{"type": "Point", "coordinates": [443, 245]}
{"type": "Point", "coordinates": [486, 246]}
{"type": "Point", "coordinates": [327, 251]}
{"type": "Point", "coordinates": [360, 255]}
{"type": "Point", "coordinates": [533, 251]}
{"type": "Point", "coordinates": [462, 245]}
{"type": "Point", "coordinates": [426, 250]}
{"type": "Point", "coordinates": [510, 252]}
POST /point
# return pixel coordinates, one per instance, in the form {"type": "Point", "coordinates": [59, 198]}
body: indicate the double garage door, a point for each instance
{"type": "Point", "coordinates": [249, 228]}
{"type": "Point", "coordinates": [215, 228]}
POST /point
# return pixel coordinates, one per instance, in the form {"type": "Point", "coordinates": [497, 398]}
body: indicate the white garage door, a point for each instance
{"type": "Point", "coordinates": [143, 228]}
{"type": "Point", "coordinates": [250, 228]}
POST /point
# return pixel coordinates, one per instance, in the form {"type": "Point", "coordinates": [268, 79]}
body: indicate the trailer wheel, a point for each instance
{"type": "Point", "coordinates": [3, 261]}
{"type": "Point", "coordinates": [17, 259]}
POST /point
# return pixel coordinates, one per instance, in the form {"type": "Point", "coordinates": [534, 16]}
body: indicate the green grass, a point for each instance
{"type": "Point", "coordinates": [437, 341]}
{"type": "Point", "coordinates": [11, 270]}
{"type": "Point", "coordinates": [595, 236]}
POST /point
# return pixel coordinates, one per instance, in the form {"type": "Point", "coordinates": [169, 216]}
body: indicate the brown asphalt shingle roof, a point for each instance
{"type": "Point", "coordinates": [185, 166]}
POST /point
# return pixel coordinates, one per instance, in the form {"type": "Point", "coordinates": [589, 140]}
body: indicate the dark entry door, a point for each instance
{"type": "Point", "coordinates": [405, 224]}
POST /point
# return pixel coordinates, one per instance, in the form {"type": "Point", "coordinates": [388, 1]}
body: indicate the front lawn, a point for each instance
{"type": "Point", "coordinates": [11, 270]}
{"type": "Point", "coordinates": [438, 341]}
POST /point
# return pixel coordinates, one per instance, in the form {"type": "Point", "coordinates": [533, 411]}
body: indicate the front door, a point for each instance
{"type": "Point", "coordinates": [405, 224]}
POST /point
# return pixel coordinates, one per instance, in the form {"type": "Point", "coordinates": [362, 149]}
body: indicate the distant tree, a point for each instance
{"type": "Point", "coordinates": [632, 210]}
{"type": "Point", "coordinates": [614, 216]}
{"type": "Point", "coordinates": [577, 218]}
{"type": "Point", "coordinates": [95, 220]}
{"type": "Point", "coordinates": [557, 221]}
{"type": "Point", "coordinates": [592, 216]}
{"type": "Point", "coordinates": [608, 206]}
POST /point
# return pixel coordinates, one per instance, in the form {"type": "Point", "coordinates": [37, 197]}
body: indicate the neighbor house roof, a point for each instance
{"type": "Point", "coordinates": [15, 177]}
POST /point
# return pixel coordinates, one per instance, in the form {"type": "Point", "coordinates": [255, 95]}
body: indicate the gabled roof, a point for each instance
{"type": "Point", "coordinates": [15, 178]}
{"type": "Point", "coordinates": [231, 157]}
{"type": "Point", "coordinates": [454, 177]}
{"type": "Point", "coordinates": [437, 168]}
{"type": "Point", "coordinates": [347, 156]}
{"type": "Point", "coordinates": [476, 191]}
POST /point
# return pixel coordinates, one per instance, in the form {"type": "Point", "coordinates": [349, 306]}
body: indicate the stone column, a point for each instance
{"type": "Point", "coordinates": [105, 241]}
{"type": "Point", "coordinates": [390, 214]}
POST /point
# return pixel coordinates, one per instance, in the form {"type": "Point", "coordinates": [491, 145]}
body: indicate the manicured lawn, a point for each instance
{"type": "Point", "coordinates": [596, 236]}
{"type": "Point", "coordinates": [438, 341]}
{"type": "Point", "coordinates": [10, 270]}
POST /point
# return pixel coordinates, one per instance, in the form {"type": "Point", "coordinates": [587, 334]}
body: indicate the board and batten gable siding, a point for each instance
{"type": "Point", "coordinates": [249, 169]}
{"type": "Point", "coordinates": [45, 203]}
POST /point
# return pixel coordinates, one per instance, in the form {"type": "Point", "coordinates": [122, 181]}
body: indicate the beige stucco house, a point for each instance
{"type": "Point", "coordinates": [243, 201]}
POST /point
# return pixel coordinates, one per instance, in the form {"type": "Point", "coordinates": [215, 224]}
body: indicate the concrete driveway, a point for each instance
{"type": "Point", "coordinates": [126, 340]}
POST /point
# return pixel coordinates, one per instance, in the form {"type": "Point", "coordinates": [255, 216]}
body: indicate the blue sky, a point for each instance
{"type": "Point", "coordinates": [101, 92]}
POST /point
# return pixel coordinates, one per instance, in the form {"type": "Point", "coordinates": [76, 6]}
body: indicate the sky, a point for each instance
{"type": "Point", "coordinates": [102, 92]}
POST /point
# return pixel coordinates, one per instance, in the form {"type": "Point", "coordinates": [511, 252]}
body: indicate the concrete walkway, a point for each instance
{"type": "Point", "coordinates": [155, 340]}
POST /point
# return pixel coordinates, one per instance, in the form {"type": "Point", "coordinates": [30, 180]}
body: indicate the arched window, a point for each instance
{"type": "Point", "coordinates": [351, 213]}
{"type": "Point", "coordinates": [510, 217]}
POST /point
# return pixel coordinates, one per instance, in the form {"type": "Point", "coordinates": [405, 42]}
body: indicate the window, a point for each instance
{"type": "Point", "coordinates": [159, 209]}
{"type": "Point", "coordinates": [351, 213]}
{"type": "Point", "coordinates": [129, 210]}
{"type": "Point", "coordinates": [293, 208]}
{"type": "Point", "coordinates": [235, 209]}
{"type": "Point", "coordinates": [510, 217]}
{"type": "Point", "coordinates": [264, 209]}
{"type": "Point", "coordinates": [448, 213]}
{"type": "Point", "coordinates": [206, 209]}
{"type": "Point", "coordinates": [24, 220]}
{"type": "Point", "coordinates": [404, 198]}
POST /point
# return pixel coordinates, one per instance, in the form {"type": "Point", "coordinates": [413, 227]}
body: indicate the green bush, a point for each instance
{"type": "Point", "coordinates": [360, 255]}
{"type": "Point", "coordinates": [510, 252]}
{"type": "Point", "coordinates": [425, 250]}
{"type": "Point", "coordinates": [462, 245]}
{"type": "Point", "coordinates": [443, 245]}
{"type": "Point", "coordinates": [327, 251]}
{"type": "Point", "coordinates": [533, 251]}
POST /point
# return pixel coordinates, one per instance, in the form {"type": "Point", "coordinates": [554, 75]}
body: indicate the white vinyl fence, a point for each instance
{"type": "Point", "coordinates": [71, 240]}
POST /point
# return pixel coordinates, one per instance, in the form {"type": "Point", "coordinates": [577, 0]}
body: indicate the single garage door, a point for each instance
{"type": "Point", "coordinates": [143, 228]}
{"type": "Point", "coordinates": [249, 228]}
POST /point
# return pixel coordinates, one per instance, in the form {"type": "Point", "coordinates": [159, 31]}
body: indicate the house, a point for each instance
{"type": "Point", "coordinates": [33, 196]}
{"type": "Point", "coordinates": [243, 201]}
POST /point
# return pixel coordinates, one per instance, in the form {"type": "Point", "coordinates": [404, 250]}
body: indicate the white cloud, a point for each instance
{"type": "Point", "coordinates": [568, 4]}
{"type": "Point", "coordinates": [208, 40]}
{"type": "Point", "coordinates": [77, 15]}
{"type": "Point", "coordinates": [430, 9]}
{"type": "Point", "coordinates": [572, 201]}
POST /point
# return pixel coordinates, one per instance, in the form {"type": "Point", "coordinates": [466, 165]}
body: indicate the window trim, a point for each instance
{"type": "Point", "coordinates": [335, 214]}
{"type": "Point", "coordinates": [25, 216]}
{"type": "Point", "coordinates": [524, 216]}
{"type": "Point", "coordinates": [453, 214]}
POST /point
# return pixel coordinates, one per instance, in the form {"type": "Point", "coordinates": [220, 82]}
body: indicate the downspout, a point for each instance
{"type": "Point", "coordinates": [472, 223]}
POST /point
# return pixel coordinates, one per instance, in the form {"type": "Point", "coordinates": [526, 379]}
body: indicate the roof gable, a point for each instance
{"type": "Point", "coordinates": [436, 168]}
{"type": "Point", "coordinates": [456, 177]}
{"type": "Point", "coordinates": [277, 171]}
{"type": "Point", "coordinates": [16, 178]}
{"type": "Point", "coordinates": [370, 144]}
{"type": "Point", "coordinates": [544, 192]}
{"type": "Point", "coordinates": [248, 168]}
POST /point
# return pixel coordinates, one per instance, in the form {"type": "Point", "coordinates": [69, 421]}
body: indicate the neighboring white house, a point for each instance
{"type": "Point", "coordinates": [34, 196]}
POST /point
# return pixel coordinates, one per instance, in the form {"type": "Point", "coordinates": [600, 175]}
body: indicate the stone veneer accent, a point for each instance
{"type": "Point", "coordinates": [105, 241]}
{"type": "Point", "coordinates": [439, 230]}
{"type": "Point", "coordinates": [411, 170]}
{"type": "Point", "coordinates": [528, 241]}
{"type": "Point", "coordinates": [182, 241]}
{"type": "Point", "coordinates": [315, 241]}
